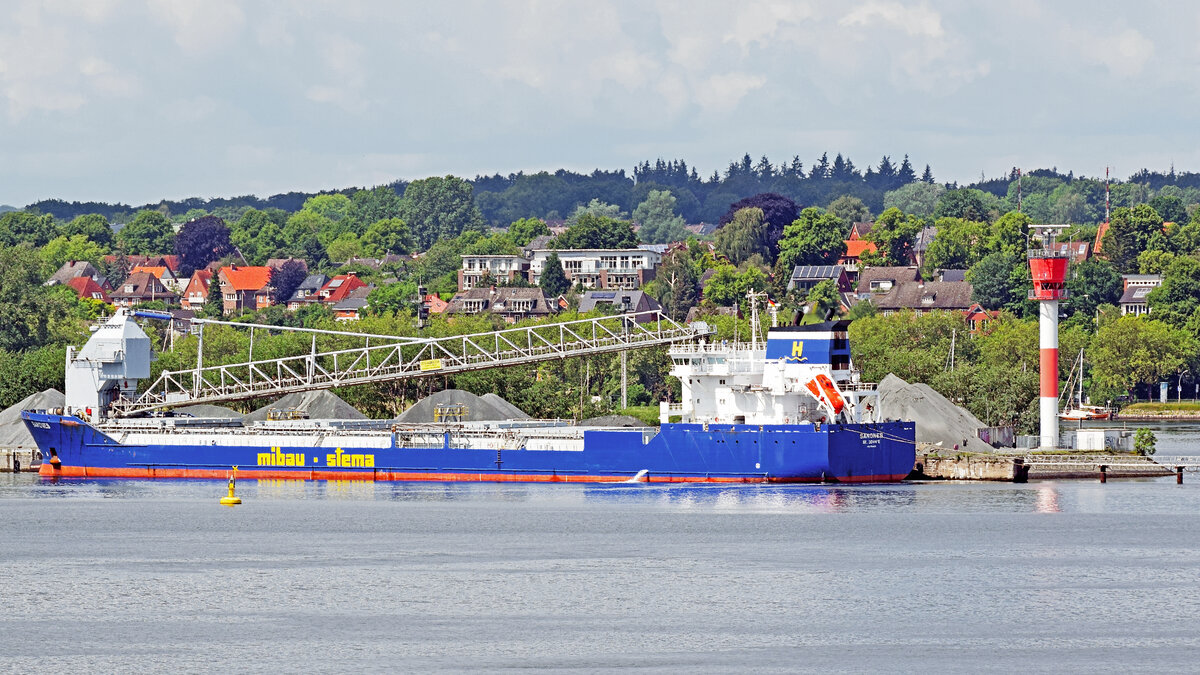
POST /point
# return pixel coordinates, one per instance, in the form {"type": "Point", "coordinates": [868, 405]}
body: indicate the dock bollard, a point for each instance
{"type": "Point", "coordinates": [1179, 475]}
{"type": "Point", "coordinates": [1103, 473]}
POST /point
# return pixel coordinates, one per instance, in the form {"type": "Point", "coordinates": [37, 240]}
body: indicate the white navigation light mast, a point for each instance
{"type": "Point", "coordinates": [1048, 266]}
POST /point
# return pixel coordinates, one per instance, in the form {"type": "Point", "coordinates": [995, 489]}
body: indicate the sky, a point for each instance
{"type": "Point", "coordinates": [141, 100]}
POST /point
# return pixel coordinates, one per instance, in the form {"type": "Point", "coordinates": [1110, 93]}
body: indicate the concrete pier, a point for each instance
{"type": "Point", "coordinates": [1014, 468]}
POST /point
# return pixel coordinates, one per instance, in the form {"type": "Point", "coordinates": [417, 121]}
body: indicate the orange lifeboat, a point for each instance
{"type": "Point", "coordinates": [824, 389]}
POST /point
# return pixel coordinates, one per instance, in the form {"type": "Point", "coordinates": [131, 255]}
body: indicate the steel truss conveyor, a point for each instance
{"type": "Point", "coordinates": [395, 358]}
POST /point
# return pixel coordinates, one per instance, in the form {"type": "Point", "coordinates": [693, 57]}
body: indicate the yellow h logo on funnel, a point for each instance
{"type": "Point", "coordinates": [797, 348]}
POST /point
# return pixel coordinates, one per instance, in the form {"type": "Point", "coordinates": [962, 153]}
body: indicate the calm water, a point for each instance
{"type": "Point", "coordinates": [119, 576]}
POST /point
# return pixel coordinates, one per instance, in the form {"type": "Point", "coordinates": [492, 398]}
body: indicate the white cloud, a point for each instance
{"type": "Point", "coordinates": [722, 93]}
{"type": "Point", "coordinates": [1123, 52]}
{"type": "Point", "coordinates": [757, 22]}
{"type": "Point", "coordinates": [917, 21]}
{"type": "Point", "coordinates": [200, 26]}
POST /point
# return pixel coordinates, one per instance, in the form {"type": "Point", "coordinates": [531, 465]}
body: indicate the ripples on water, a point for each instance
{"type": "Point", "coordinates": [330, 577]}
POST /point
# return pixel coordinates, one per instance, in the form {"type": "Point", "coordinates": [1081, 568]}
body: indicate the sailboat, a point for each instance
{"type": "Point", "coordinates": [1074, 408]}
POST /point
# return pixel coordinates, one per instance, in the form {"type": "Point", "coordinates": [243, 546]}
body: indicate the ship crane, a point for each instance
{"type": "Point", "coordinates": [102, 378]}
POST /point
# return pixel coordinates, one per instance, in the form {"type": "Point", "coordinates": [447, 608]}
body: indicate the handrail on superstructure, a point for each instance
{"type": "Point", "coordinates": [408, 358]}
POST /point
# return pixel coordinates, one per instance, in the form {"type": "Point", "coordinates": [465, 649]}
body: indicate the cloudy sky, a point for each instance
{"type": "Point", "coordinates": [140, 100]}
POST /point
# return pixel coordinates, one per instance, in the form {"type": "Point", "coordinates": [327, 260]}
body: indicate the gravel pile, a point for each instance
{"type": "Point", "coordinates": [938, 420]}
{"type": "Point", "coordinates": [13, 433]}
{"type": "Point", "coordinates": [320, 405]}
{"type": "Point", "coordinates": [209, 411]}
{"type": "Point", "coordinates": [612, 421]}
{"type": "Point", "coordinates": [488, 407]}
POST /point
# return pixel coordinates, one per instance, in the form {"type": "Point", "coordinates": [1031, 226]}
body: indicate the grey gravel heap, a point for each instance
{"type": "Point", "coordinates": [938, 420]}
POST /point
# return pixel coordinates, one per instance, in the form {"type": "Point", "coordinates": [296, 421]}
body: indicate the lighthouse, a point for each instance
{"type": "Point", "coordinates": [1049, 270]}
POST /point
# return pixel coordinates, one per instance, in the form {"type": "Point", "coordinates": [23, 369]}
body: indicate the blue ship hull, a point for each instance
{"type": "Point", "coordinates": [879, 452]}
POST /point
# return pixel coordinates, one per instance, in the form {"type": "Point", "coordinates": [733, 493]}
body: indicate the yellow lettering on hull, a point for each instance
{"type": "Point", "coordinates": [277, 457]}
{"type": "Point", "coordinates": [348, 461]}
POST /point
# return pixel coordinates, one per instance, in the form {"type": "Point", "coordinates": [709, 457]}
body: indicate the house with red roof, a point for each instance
{"type": "Point", "coordinates": [339, 288]}
{"type": "Point", "coordinates": [162, 273]}
{"type": "Point", "coordinates": [979, 318]}
{"type": "Point", "coordinates": [86, 287]}
{"type": "Point", "coordinates": [140, 288]}
{"type": "Point", "coordinates": [195, 294]}
{"type": "Point", "coordinates": [245, 288]}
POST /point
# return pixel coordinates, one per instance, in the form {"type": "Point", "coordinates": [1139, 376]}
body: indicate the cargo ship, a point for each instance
{"type": "Point", "coordinates": [790, 408]}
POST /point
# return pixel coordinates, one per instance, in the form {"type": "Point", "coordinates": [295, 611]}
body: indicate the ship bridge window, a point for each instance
{"type": "Point", "coordinates": [722, 381]}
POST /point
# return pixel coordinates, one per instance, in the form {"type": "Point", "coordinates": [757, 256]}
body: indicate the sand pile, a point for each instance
{"type": "Point", "coordinates": [937, 418]}
{"type": "Point", "coordinates": [488, 407]}
{"type": "Point", "coordinates": [13, 433]}
{"type": "Point", "coordinates": [613, 421]}
{"type": "Point", "coordinates": [320, 405]}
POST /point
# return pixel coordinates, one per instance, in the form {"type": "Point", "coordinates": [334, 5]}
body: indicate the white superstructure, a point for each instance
{"type": "Point", "coordinates": [802, 374]}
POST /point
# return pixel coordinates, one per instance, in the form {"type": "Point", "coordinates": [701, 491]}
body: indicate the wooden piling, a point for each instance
{"type": "Point", "coordinates": [1179, 475]}
{"type": "Point", "coordinates": [1103, 473]}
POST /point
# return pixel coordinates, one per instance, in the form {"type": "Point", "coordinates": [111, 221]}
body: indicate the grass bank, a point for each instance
{"type": "Point", "coordinates": [1180, 410]}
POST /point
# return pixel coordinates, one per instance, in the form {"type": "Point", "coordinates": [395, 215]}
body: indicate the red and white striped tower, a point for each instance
{"type": "Point", "coordinates": [1049, 270]}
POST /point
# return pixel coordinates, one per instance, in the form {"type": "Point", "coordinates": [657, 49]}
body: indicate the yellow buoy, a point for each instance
{"type": "Point", "coordinates": [231, 499]}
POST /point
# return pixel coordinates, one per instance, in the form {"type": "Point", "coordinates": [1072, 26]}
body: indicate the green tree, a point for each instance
{"type": "Point", "coordinates": [1009, 234]}
{"type": "Point", "coordinates": [1092, 283]}
{"type": "Point", "coordinates": [849, 210]}
{"type": "Point", "coordinates": [1134, 350]}
{"type": "Point", "coordinates": [992, 280]}
{"type": "Point", "coordinates": [1129, 231]}
{"type": "Point", "coordinates": [388, 236]}
{"type": "Point", "coordinates": [1144, 442]}
{"type": "Point", "coordinates": [92, 225]}
{"type": "Point", "coordinates": [815, 238]}
{"type": "Point", "coordinates": [825, 299]}
{"type": "Point", "coordinates": [554, 281]}
{"type": "Point", "coordinates": [76, 247]}
{"type": "Point", "coordinates": [526, 230]}
{"type": "Point", "coordinates": [23, 227]}
{"type": "Point", "coordinates": [345, 247]}
{"type": "Point", "coordinates": [677, 280]}
{"type": "Point", "coordinates": [371, 206]}
{"type": "Point", "coordinates": [659, 223]}
{"type": "Point", "coordinates": [335, 207]}
{"type": "Point", "coordinates": [593, 231]}
{"type": "Point", "coordinates": [214, 302]}
{"type": "Point", "coordinates": [743, 237]}
{"type": "Point", "coordinates": [595, 208]}
{"type": "Point", "coordinates": [729, 285]}
{"type": "Point", "coordinates": [149, 233]}
{"type": "Point", "coordinates": [24, 303]}
{"type": "Point", "coordinates": [439, 208]}
{"type": "Point", "coordinates": [393, 299]}
{"type": "Point", "coordinates": [919, 199]}
{"type": "Point", "coordinates": [1179, 295]}
{"type": "Point", "coordinates": [894, 234]}
{"type": "Point", "coordinates": [958, 245]}
{"type": "Point", "coordinates": [965, 204]}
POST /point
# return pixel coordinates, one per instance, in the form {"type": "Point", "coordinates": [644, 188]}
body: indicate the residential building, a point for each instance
{"type": "Point", "coordinates": [635, 301]}
{"type": "Point", "coordinates": [485, 270]}
{"type": "Point", "coordinates": [978, 318]}
{"type": "Point", "coordinates": [435, 304]}
{"type": "Point", "coordinates": [924, 296]}
{"type": "Point", "coordinates": [307, 292]}
{"type": "Point", "coordinates": [626, 268]}
{"type": "Point", "coordinates": [171, 262]}
{"type": "Point", "coordinates": [195, 294]}
{"type": "Point", "coordinates": [879, 280]}
{"type": "Point", "coordinates": [805, 277]}
{"type": "Point", "coordinates": [163, 274]}
{"type": "Point", "coordinates": [339, 288]}
{"type": "Point", "coordinates": [860, 230]}
{"type": "Point", "coordinates": [352, 307]}
{"type": "Point", "coordinates": [276, 263]}
{"type": "Point", "coordinates": [74, 269]}
{"type": "Point", "coordinates": [921, 244]}
{"type": "Point", "coordinates": [86, 287]}
{"type": "Point", "coordinates": [245, 288]}
{"type": "Point", "coordinates": [1137, 287]}
{"type": "Point", "coordinates": [852, 258]}
{"type": "Point", "coordinates": [140, 288]}
{"type": "Point", "coordinates": [510, 303]}
{"type": "Point", "coordinates": [1075, 251]}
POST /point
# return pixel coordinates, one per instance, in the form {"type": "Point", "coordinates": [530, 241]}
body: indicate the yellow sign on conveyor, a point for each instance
{"type": "Point", "coordinates": [431, 364]}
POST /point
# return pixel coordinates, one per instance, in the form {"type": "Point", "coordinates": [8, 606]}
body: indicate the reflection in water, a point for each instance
{"type": "Point", "coordinates": [1047, 499]}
